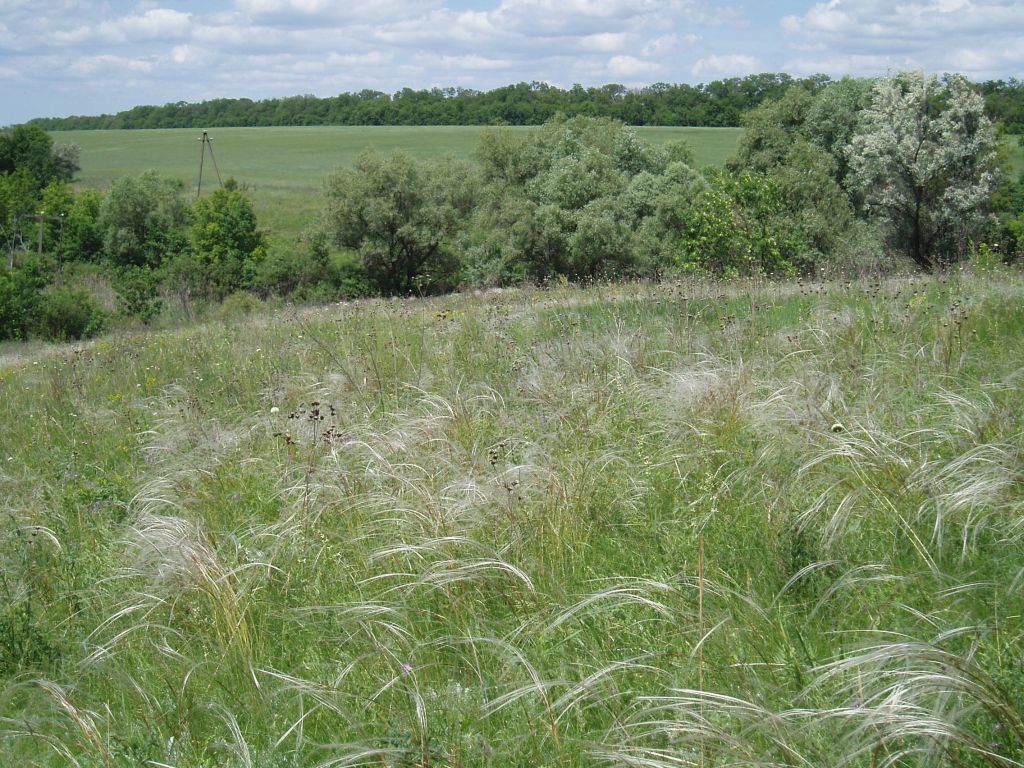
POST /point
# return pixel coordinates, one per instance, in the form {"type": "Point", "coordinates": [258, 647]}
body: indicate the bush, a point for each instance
{"type": "Point", "coordinates": [137, 292]}
{"type": "Point", "coordinates": [68, 314]}
{"type": "Point", "coordinates": [239, 305]}
{"type": "Point", "coordinates": [19, 301]}
{"type": "Point", "coordinates": [738, 226]}
{"type": "Point", "coordinates": [401, 215]}
{"type": "Point", "coordinates": [227, 244]}
{"type": "Point", "coordinates": [144, 220]}
{"type": "Point", "coordinates": [347, 277]}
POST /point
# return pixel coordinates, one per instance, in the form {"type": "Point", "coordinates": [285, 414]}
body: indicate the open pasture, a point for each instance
{"type": "Point", "coordinates": [284, 168]}
{"type": "Point", "coordinates": [638, 525]}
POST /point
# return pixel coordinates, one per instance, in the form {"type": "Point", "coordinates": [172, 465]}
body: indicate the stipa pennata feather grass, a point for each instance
{"type": "Point", "coordinates": [557, 526]}
{"type": "Point", "coordinates": [925, 701]}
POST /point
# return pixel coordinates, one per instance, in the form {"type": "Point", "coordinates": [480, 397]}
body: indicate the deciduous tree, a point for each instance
{"type": "Point", "coordinates": [401, 216]}
{"type": "Point", "coordinates": [924, 159]}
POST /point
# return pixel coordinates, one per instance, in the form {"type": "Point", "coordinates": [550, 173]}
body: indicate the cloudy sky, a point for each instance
{"type": "Point", "coordinates": [60, 57]}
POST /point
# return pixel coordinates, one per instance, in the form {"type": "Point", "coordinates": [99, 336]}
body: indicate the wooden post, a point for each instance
{"type": "Point", "coordinates": [202, 156]}
{"type": "Point", "coordinates": [206, 143]}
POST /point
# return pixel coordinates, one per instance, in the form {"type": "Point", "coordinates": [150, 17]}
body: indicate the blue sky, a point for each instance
{"type": "Point", "coordinates": [60, 57]}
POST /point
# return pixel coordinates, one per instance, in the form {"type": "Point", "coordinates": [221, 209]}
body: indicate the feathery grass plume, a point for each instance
{"type": "Point", "coordinates": [686, 727]}
{"type": "Point", "coordinates": [972, 494]}
{"type": "Point", "coordinates": [172, 553]}
{"type": "Point", "coordinates": [56, 722]}
{"type": "Point", "coordinates": [560, 525]}
{"type": "Point", "coordinates": [923, 701]}
{"type": "Point", "coordinates": [867, 472]}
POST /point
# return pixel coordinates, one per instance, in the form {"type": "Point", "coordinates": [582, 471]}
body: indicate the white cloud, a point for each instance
{"type": "Point", "coordinates": [630, 67]}
{"type": "Point", "coordinates": [605, 42]}
{"type": "Point", "coordinates": [368, 59]}
{"type": "Point", "coordinates": [936, 35]}
{"type": "Point", "coordinates": [470, 63]}
{"type": "Point", "coordinates": [88, 66]}
{"type": "Point", "coordinates": [299, 12]}
{"type": "Point", "coordinates": [730, 65]}
{"type": "Point", "coordinates": [663, 45]}
{"type": "Point", "coordinates": [838, 65]}
{"type": "Point", "coordinates": [154, 24]}
{"type": "Point", "coordinates": [191, 55]}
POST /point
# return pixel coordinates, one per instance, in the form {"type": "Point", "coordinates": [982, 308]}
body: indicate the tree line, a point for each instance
{"type": "Point", "coordinates": [716, 104]}
{"type": "Point", "coordinates": [853, 175]}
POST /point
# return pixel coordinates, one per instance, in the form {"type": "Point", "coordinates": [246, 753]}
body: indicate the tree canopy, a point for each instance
{"type": "Point", "coordinates": [924, 158]}
{"type": "Point", "coordinates": [718, 103]}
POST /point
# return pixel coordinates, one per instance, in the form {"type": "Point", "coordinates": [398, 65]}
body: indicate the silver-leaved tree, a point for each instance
{"type": "Point", "coordinates": [924, 160]}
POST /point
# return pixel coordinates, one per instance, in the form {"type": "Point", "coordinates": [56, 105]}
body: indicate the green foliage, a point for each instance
{"type": "Point", "coordinates": [586, 197]}
{"type": "Point", "coordinates": [718, 103]}
{"type": "Point", "coordinates": [738, 225]}
{"type": "Point", "coordinates": [144, 221]}
{"type": "Point", "coordinates": [834, 118]}
{"type": "Point", "coordinates": [1004, 104]}
{"type": "Point", "coordinates": [924, 160]}
{"type": "Point", "coordinates": [68, 314]}
{"type": "Point", "coordinates": [402, 217]}
{"type": "Point", "coordinates": [1008, 209]}
{"type": "Point", "coordinates": [82, 239]}
{"type": "Point", "coordinates": [297, 270]}
{"type": "Point", "coordinates": [227, 245]}
{"type": "Point", "coordinates": [800, 142]}
{"type": "Point", "coordinates": [29, 148]}
{"type": "Point", "coordinates": [20, 300]}
{"type": "Point", "coordinates": [138, 290]}
{"type": "Point", "coordinates": [771, 129]}
{"type": "Point", "coordinates": [566, 200]}
{"type": "Point", "coordinates": [239, 305]}
{"type": "Point", "coordinates": [809, 185]}
{"type": "Point", "coordinates": [17, 203]}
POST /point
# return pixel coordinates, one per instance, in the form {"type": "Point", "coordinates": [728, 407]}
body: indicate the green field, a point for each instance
{"type": "Point", "coordinates": [637, 525]}
{"type": "Point", "coordinates": [284, 168]}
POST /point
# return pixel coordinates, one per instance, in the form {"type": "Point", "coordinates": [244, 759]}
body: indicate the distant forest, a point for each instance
{"type": "Point", "coordinates": [719, 103]}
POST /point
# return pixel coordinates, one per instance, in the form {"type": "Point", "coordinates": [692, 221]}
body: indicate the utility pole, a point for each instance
{"type": "Point", "coordinates": [206, 143]}
{"type": "Point", "coordinates": [41, 218]}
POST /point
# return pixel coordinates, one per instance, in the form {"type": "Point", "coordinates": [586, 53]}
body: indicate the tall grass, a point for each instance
{"type": "Point", "coordinates": [637, 525]}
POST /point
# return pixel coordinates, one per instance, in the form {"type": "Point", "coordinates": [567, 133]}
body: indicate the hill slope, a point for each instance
{"type": "Point", "coordinates": [639, 525]}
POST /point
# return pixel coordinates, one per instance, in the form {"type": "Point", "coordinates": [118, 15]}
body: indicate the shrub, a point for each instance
{"type": "Point", "coordinates": [144, 220]}
{"type": "Point", "coordinates": [19, 301]}
{"type": "Point", "coordinates": [228, 245]}
{"type": "Point", "coordinates": [68, 314]}
{"type": "Point", "coordinates": [737, 226]}
{"type": "Point", "coordinates": [402, 216]}
{"type": "Point", "coordinates": [137, 292]}
{"type": "Point", "coordinates": [239, 305]}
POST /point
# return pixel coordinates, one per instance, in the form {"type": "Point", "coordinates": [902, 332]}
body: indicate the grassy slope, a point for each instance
{"type": "Point", "coordinates": [636, 525]}
{"type": "Point", "coordinates": [285, 167]}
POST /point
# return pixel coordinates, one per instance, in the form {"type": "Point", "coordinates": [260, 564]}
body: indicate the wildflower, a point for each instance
{"type": "Point", "coordinates": [406, 668]}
